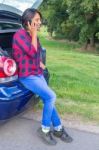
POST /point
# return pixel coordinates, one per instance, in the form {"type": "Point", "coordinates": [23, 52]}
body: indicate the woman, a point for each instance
{"type": "Point", "coordinates": [26, 52]}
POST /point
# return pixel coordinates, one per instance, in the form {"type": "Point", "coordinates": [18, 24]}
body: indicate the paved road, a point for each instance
{"type": "Point", "coordinates": [20, 134]}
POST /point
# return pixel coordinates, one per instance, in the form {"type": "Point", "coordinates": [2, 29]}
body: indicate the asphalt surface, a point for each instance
{"type": "Point", "coordinates": [20, 133]}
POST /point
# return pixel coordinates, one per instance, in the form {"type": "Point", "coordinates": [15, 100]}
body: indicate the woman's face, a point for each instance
{"type": "Point", "coordinates": [36, 21]}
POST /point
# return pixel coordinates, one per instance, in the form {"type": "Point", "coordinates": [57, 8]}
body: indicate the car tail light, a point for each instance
{"type": "Point", "coordinates": [9, 67]}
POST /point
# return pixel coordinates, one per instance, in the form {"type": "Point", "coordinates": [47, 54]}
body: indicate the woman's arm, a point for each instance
{"type": "Point", "coordinates": [42, 65]}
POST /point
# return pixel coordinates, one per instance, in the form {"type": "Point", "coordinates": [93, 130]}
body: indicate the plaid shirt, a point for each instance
{"type": "Point", "coordinates": [25, 54]}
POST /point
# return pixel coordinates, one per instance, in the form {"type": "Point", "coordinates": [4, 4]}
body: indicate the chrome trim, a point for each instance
{"type": "Point", "coordinates": [5, 93]}
{"type": "Point", "coordinates": [8, 79]}
{"type": "Point", "coordinates": [8, 31]}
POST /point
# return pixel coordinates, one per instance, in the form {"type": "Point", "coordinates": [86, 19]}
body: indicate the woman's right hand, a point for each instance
{"type": "Point", "coordinates": [32, 28]}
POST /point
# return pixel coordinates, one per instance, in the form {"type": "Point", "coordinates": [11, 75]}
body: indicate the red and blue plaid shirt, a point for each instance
{"type": "Point", "coordinates": [25, 54]}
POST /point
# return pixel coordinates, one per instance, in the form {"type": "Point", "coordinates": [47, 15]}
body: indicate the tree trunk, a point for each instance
{"type": "Point", "coordinates": [89, 44]}
{"type": "Point", "coordinates": [50, 34]}
{"type": "Point", "coordinates": [85, 45]}
{"type": "Point", "coordinates": [92, 42]}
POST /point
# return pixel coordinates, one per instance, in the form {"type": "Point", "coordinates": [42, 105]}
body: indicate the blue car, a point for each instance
{"type": "Point", "coordinates": [14, 97]}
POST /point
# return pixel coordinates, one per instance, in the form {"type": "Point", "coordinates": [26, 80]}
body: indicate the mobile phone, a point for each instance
{"type": "Point", "coordinates": [30, 22]}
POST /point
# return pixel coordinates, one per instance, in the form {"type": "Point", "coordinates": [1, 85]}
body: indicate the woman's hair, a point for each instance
{"type": "Point", "coordinates": [28, 15]}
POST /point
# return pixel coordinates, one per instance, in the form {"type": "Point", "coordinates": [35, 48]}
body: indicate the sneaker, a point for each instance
{"type": "Point", "coordinates": [47, 138]}
{"type": "Point", "coordinates": [63, 135]}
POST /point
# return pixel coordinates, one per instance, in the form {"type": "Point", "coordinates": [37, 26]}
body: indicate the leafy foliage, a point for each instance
{"type": "Point", "coordinates": [77, 20]}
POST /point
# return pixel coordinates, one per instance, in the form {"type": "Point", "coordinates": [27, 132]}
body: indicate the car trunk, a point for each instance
{"type": "Point", "coordinates": [10, 22]}
{"type": "Point", "coordinates": [6, 41]}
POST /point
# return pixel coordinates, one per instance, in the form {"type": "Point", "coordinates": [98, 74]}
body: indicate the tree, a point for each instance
{"type": "Point", "coordinates": [85, 15]}
{"type": "Point", "coordinates": [55, 13]}
{"type": "Point", "coordinates": [76, 19]}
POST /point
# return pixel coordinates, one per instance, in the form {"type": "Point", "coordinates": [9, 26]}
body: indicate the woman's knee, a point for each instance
{"type": "Point", "coordinates": [52, 97]}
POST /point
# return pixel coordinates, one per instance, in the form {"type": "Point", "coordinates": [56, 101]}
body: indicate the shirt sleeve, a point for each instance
{"type": "Point", "coordinates": [21, 41]}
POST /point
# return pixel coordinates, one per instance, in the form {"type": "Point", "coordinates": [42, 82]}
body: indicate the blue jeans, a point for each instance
{"type": "Point", "coordinates": [38, 85]}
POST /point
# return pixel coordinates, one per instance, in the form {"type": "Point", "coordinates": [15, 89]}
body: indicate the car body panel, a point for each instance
{"type": "Point", "coordinates": [20, 4]}
{"type": "Point", "coordinates": [14, 97]}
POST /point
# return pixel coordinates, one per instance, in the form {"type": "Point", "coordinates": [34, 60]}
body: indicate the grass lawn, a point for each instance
{"type": "Point", "coordinates": [74, 77]}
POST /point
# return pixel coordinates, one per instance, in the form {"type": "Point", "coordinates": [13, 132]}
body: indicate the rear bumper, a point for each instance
{"type": "Point", "coordinates": [14, 97]}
